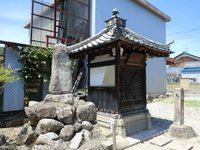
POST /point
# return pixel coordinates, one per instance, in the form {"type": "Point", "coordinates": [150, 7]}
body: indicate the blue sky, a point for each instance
{"type": "Point", "coordinates": [184, 27]}
{"type": "Point", "coordinates": [14, 14]}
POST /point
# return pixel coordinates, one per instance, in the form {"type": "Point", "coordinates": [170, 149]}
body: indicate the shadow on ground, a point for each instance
{"type": "Point", "coordinates": [160, 123]}
{"type": "Point", "coordinates": [159, 126]}
{"type": "Point", "coordinates": [12, 118]}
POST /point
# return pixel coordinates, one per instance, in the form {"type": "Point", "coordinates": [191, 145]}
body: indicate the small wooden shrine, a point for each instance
{"type": "Point", "coordinates": [117, 73]}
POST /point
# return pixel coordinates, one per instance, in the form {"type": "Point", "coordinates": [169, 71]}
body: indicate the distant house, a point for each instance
{"type": "Point", "coordinates": [192, 71]}
{"type": "Point", "coordinates": [171, 61]}
{"type": "Point", "coordinates": [185, 57]}
{"type": "Point", "coordinates": [186, 66]}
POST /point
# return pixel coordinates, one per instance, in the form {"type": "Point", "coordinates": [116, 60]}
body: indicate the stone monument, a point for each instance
{"type": "Point", "coordinates": [61, 76]}
{"type": "Point", "coordinates": [178, 129]}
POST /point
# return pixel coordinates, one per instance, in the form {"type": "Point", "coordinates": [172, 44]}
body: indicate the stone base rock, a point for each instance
{"type": "Point", "coordinates": [107, 145]}
{"type": "Point", "coordinates": [26, 135]}
{"type": "Point", "coordinates": [87, 125]}
{"type": "Point", "coordinates": [60, 114]}
{"type": "Point", "coordinates": [77, 127]}
{"type": "Point", "coordinates": [52, 110]}
{"type": "Point", "coordinates": [48, 125]}
{"type": "Point", "coordinates": [79, 102]}
{"type": "Point", "coordinates": [86, 112]}
{"type": "Point", "coordinates": [65, 115]}
{"type": "Point", "coordinates": [60, 98]}
{"type": "Point", "coordinates": [31, 114]}
{"type": "Point", "coordinates": [48, 141]}
{"type": "Point", "coordinates": [80, 138]}
{"type": "Point", "coordinates": [45, 110]}
{"type": "Point", "coordinates": [31, 103]}
{"type": "Point", "coordinates": [181, 131]}
{"type": "Point", "coordinates": [97, 144]}
{"type": "Point", "coordinates": [67, 132]}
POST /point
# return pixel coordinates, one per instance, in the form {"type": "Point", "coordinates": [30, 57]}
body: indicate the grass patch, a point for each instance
{"type": "Point", "coordinates": [192, 103]}
{"type": "Point", "coordinates": [168, 101]}
{"type": "Point", "coordinates": [194, 88]}
{"type": "Point", "coordinates": [188, 103]}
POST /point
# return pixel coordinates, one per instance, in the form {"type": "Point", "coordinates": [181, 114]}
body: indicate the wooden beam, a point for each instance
{"type": "Point", "coordinates": [117, 77]}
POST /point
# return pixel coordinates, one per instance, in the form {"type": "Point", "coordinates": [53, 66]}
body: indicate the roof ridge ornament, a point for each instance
{"type": "Point", "coordinates": [116, 23]}
{"type": "Point", "coordinates": [115, 12]}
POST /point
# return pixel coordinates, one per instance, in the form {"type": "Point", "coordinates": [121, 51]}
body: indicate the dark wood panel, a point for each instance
{"type": "Point", "coordinates": [103, 63]}
{"type": "Point", "coordinates": [117, 76]}
{"type": "Point", "coordinates": [104, 99]}
{"type": "Point", "coordinates": [132, 88]}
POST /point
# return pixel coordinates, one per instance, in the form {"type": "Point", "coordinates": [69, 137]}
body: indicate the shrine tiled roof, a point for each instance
{"type": "Point", "coordinates": [115, 31]}
{"type": "Point", "coordinates": [107, 36]}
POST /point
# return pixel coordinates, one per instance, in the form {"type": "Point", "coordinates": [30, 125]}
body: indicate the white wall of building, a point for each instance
{"type": "Point", "coordinates": [192, 75]}
{"type": "Point", "coordinates": [13, 92]}
{"type": "Point", "coordinates": [141, 21]}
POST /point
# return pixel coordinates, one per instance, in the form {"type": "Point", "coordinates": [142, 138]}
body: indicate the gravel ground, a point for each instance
{"type": "Point", "coordinates": [163, 115]}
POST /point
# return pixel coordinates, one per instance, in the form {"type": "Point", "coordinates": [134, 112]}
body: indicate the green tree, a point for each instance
{"type": "Point", "coordinates": [36, 62]}
{"type": "Point", "coordinates": [7, 75]}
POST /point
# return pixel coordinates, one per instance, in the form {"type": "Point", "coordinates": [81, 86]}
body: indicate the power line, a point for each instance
{"type": "Point", "coordinates": [188, 34]}
{"type": "Point", "coordinates": [184, 32]}
{"type": "Point", "coordinates": [185, 37]}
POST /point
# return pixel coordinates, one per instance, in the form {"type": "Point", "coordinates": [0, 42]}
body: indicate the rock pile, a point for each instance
{"type": "Point", "coordinates": [58, 122]}
{"type": "Point", "coordinates": [61, 121]}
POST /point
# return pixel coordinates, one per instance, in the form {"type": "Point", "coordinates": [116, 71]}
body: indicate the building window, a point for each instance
{"type": "Point", "coordinates": [71, 24]}
{"type": "Point", "coordinates": [74, 24]}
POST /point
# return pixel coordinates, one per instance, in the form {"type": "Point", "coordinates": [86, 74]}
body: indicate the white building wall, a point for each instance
{"type": "Point", "coordinates": [141, 21]}
{"type": "Point", "coordinates": [194, 75]}
{"type": "Point", "coordinates": [13, 92]}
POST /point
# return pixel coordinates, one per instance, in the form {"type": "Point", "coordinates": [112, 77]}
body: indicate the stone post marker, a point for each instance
{"type": "Point", "coordinates": [179, 107]}
{"type": "Point", "coordinates": [113, 127]}
{"type": "Point", "coordinates": [178, 129]}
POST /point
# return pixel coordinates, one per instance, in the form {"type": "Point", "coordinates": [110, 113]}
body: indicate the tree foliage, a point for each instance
{"type": "Point", "coordinates": [37, 63]}
{"type": "Point", "coordinates": [8, 75]}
